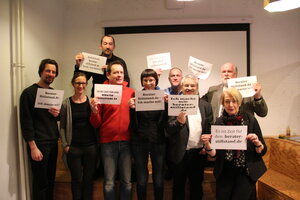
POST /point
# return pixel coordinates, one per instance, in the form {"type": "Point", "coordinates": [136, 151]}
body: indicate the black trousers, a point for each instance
{"type": "Point", "coordinates": [192, 168]}
{"type": "Point", "coordinates": [43, 172]}
{"type": "Point", "coordinates": [234, 184]}
{"type": "Point", "coordinates": [82, 164]}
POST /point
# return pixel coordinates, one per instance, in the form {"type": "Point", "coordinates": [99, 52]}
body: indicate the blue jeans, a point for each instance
{"type": "Point", "coordinates": [116, 156]}
{"type": "Point", "coordinates": [157, 154]}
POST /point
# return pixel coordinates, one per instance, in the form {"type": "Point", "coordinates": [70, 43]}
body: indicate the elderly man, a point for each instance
{"type": "Point", "coordinates": [255, 104]}
{"type": "Point", "coordinates": [185, 146]}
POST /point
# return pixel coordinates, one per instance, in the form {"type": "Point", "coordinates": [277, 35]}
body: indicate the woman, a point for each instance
{"type": "Point", "coordinates": [148, 138]}
{"type": "Point", "coordinates": [185, 148]}
{"type": "Point", "coordinates": [237, 171]}
{"type": "Point", "coordinates": [79, 139]}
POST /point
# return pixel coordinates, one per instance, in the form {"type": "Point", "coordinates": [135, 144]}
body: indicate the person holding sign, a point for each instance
{"type": "Point", "coordinates": [113, 123]}
{"type": "Point", "coordinates": [237, 171]}
{"type": "Point", "coordinates": [255, 104]}
{"type": "Point", "coordinates": [79, 140]}
{"type": "Point", "coordinates": [40, 131]}
{"type": "Point", "coordinates": [185, 148]}
{"type": "Point", "coordinates": [107, 45]}
{"type": "Point", "coordinates": [148, 138]}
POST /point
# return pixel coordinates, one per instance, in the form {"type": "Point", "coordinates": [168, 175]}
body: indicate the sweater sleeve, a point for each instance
{"type": "Point", "coordinates": [96, 119]}
{"type": "Point", "coordinates": [27, 100]}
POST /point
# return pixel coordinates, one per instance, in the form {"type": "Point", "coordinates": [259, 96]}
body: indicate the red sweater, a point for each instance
{"type": "Point", "coordinates": [113, 120]}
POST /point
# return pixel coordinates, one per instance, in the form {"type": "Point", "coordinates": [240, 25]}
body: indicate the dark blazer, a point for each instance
{"type": "Point", "coordinates": [248, 105]}
{"type": "Point", "coordinates": [179, 134]}
{"type": "Point", "coordinates": [254, 162]}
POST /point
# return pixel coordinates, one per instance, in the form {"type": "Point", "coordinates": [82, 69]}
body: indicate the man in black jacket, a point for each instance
{"type": "Point", "coordinates": [107, 46]}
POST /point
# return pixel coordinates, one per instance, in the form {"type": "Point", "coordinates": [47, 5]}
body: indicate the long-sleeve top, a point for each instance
{"type": "Point", "coordinates": [113, 120]}
{"type": "Point", "coordinates": [254, 162]}
{"type": "Point", "coordinates": [37, 124]}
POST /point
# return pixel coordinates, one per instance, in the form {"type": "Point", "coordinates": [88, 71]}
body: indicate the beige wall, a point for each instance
{"type": "Point", "coordinates": [59, 29]}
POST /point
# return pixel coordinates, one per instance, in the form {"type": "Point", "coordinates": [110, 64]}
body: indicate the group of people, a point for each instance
{"type": "Point", "coordinates": [127, 137]}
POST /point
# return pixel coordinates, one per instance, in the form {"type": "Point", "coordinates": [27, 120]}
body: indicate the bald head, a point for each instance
{"type": "Point", "coordinates": [228, 71]}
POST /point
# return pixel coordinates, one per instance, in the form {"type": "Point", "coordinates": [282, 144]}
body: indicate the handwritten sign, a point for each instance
{"type": "Point", "coordinates": [182, 103]}
{"type": "Point", "coordinates": [146, 100]}
{"type": "Point", "coordinates": [47, 98]}
{"type": "Point", "coordinates": [244, 85]}
{"type": "Point", "coordinates": [92, 63]}
{"type": "Point", "coordinates": [159, 61]}
{"type": "Point", "coordinates": [108, 94]}
{"type": "Point", "coordinates": [199, 68]}
{"type": "Point", "coordinates": [229, 137]}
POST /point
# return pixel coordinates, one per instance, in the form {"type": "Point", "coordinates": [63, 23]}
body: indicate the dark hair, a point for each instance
{"type": "Point", "coordinates": [43, 65]}
{"type": "Point", "coordinates": [147, 73]}
{"type": "Point", "coordinates": [107, 36]}
{"type": "Point", "coordinates": [117, 62]}
{"type": "Point", "coordinates": [76, 75]}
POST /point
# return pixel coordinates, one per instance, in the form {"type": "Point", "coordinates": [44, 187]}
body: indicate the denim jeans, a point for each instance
{"type": "Point", "coordinates": [116, 156]}
{"type": "Point", "coordinates": [157, 154]}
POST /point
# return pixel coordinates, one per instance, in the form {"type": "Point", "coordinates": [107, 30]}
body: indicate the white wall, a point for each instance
{"type": "Point", "coordinates": [8, 141]}
{"type": "Point", "coordinates": [59, 29]}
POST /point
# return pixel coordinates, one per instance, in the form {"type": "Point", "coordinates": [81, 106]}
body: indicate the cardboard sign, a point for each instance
{"type": "Point", "coordinates": [199, 68]}
{"type": "Point", "coordinates": [229, 137]}
{"type": "Point", "coordinates": [182, 103]}
{"type": "Point", "coordinates": [146, 100]}
{"type": "Point", "coordinates": [159, 61]}
{"type": "Point", "coordinates": [47, 98]}
{"type": "Point", "coordinates": [108, 94]}
{"type": "Point", "coordinates": [244, 85]}
{"type": "Point", "coordinates": [92, 63]}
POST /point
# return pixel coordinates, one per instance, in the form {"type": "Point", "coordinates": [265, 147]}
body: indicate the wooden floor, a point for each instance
{"type": "Point", "coordinates": [63, 189]}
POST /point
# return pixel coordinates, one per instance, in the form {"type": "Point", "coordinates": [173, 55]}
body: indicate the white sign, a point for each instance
{"type": "Point", "coordinates": [92, 63]}
{"type": "Point", "coordinates": [159, 61]}
{"type": "Point", "coordinates": [200, 68]}
{"type": "Point", "coordinates": [182, 103]}
{"type": "Point", "coordinates": [47, 98]}
{"type": "Point", "coordinates": [108, 94]}
{"type": "Point", "coordinates": [146, 100]}
{"type": "Point", "coordinates": [244, 85]}
{"type": "Point", "coordinates": [229, 137]}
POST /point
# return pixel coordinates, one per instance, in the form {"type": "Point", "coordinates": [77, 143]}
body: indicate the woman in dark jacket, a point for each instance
{"type": "Point", "coordinates": [148, 138]}
{"type": "Point", "coordinates": [237, 171]}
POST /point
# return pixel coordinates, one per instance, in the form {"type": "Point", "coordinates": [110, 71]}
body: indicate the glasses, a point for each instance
{"type": "Point", "coordinates": [80, 83]}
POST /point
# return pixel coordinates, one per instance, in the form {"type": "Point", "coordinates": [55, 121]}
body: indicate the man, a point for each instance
{"type": "Point", "coordinates": [40, 131]}
{"type": "Point", "coordinates": [185, 148]}
{"type": "Point", "coordinates": [175, 76]}
{"type": "Point", "coordinates": [255, 104]}
{"type": "Point", "coordinates": [107, 46]}
{"type": "Point", "coordinates": [113, 123]}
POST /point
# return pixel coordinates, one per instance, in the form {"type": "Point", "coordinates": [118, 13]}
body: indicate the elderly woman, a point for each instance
{"type": "Point", "coordinates": [237, 171]}
{"type": "Point", "coordinates": [185, 148]}
{"type": "Point", "coordinates": [148, 138]}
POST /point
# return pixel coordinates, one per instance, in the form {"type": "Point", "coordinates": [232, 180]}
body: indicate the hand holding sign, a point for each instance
{"type": "Point", "coordinates": [244, 85]}
{"type": "Point", "coordinates": [92, 63]}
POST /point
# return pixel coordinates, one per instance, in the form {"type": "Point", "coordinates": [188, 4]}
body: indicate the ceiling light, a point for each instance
{"type": "Point", "coordinates": [281, 5]}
